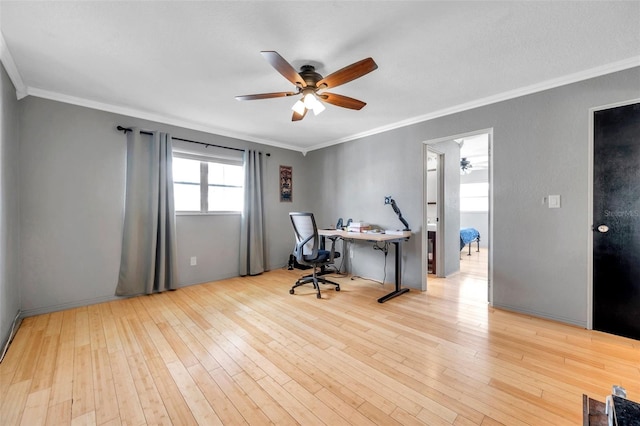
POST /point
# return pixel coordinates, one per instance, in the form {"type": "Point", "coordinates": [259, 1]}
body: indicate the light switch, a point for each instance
{"type": "Point", "coordinates": [554, 201]}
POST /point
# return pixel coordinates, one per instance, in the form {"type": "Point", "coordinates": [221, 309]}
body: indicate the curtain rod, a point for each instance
{"type": "Point", "coordinates": [126, 129]}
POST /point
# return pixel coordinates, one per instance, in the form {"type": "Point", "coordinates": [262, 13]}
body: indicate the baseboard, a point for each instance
{"type": "Point", "coordinates": [543, 315]}
{"type": "Point", "coordinates": [93, 301]}
{"type": "Point", "coordinates": [69, 305]}
{"type": "Point", "coordinates": [6, 340]}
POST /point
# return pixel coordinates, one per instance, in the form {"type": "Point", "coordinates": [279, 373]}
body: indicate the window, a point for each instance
{"type": "Point", "coordinates": [474, 197]}
{"type": "Point", "coordinates": [206, 184]}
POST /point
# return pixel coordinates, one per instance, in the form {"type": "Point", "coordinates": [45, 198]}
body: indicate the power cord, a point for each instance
{"type": "Point", "coordinates": [385, 249]}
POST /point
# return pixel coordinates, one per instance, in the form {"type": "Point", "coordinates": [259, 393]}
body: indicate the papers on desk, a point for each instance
{"type": "Point", "coordinates": [393, 232]}
{"type": "Point", "coordinates": [358, 227]}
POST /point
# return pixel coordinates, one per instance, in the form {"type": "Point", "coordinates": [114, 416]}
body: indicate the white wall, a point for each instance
{"type": "Point", "coordinates": [9, 208]}
{"type": "Point", "coordinates": [72, 184]}
{"type": "Point", "coordinates": [539, 255]}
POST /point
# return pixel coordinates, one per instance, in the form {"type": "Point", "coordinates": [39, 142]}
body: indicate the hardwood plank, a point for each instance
{"type": "Point", "coordinates": [312, 403]}
{"type": "Point", "coordinates": [222, 405]}
{"type": "Point", "coordinates": [59, 414]}
{"type": "Point", "coordinates": [35, 409]}
{"type": "Point", "coordinates": [351, 415]}
{"type": "Point", "coordinates": [263, 399]}
{"type": "Point", "coordinates": [104, 391]}
{"type": "Point", "coordinates": [147, 391]}
{"type": "Point", "coordinates": [13, 406]}
{"type": "Point", "coordinates": [289, 403]}
{"type": "Point", "coordinates": [45, 367]}
{"type": "Point", "coordinates": [62, 385]}
{"type": "Point", "coordinates": [251, 413]}
{"type": "Point", "coordinates": [83, 388]}
{"type": "Point", "coordinates": [87, 419]}
{"type": "Point", "coordinates": [177, 408]}
{"type": "Point", "coordinates": [200, 407]}
{"type": "Point", "coordinates": [129, 406]}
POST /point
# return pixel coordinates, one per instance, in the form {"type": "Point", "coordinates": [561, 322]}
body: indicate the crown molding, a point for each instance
{"type": "Point", "coordinates": [523, 91]}
{"type": "Point", "coordinates": [12, 70]}
{"type": "Point", "coordinates": [146, 115]}
{"type": "Point", "coordinates": [22, 91]}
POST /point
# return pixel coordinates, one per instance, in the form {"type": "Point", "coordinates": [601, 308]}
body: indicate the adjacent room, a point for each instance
{"type": "Point", "coordinates": [319, 212]}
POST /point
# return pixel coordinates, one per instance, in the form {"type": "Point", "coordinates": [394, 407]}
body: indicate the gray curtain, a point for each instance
{"type": "Point", "coordinates": [148, 262]}
{"type": "Point", "coordinates": [252, 231]}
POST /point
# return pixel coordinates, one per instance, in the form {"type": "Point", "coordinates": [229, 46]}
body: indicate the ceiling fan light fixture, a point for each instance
{"type": "Point", "coordinates": [318, 107]}
{"type": "Point", "coordinates": [298, 107]}
{"type": "Point", "coordinates": [310, 100]}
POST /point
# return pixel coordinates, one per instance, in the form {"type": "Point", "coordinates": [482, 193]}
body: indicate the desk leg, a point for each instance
{"type": "Point", "coordinates": [399, 290]}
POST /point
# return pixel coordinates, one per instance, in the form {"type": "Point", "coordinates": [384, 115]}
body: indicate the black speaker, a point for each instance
{"type": "Point", "coordinates": [293, 263]}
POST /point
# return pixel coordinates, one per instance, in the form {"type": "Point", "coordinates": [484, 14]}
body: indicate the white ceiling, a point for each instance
{"type": "Point", "coordinates": [182, 63]}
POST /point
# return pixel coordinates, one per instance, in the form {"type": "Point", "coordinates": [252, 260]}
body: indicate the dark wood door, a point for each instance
{"type": "Point", "coordinates": [616, 215]}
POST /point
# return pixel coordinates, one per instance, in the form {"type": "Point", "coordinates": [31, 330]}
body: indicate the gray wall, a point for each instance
{"type": "Point", "coordinates": [540, 147]}
{"type": "Point", "coordinates": [356, 176]}
{"type": "Point", "coordinates": [72, 183]}
{"type": "Point", "coordinates": [9, 208]}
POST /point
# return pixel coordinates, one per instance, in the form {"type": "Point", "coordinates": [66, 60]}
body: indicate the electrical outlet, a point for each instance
{"type": "Point", "coordinates": [194, 261]}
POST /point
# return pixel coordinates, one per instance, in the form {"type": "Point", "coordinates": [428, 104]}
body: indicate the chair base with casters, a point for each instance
{"type": "Point", "coordinates": [309, 250]}
{"type": "Point", "coordinates": [315, 280]}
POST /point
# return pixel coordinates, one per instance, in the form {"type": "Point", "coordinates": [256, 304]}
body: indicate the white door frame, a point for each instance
{"type": "Point", "coordinates": [439, 263]}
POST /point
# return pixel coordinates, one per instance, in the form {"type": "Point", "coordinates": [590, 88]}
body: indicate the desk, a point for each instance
{"type": "Point", "coordinates": [377, 237]}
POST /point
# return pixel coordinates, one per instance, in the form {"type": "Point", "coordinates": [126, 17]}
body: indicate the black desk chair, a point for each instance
{"type": "Point", "coordinates": [308, 251]}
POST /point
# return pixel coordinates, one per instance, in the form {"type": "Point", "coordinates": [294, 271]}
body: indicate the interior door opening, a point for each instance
{"type": "Point", "coordinates": [458, 198]}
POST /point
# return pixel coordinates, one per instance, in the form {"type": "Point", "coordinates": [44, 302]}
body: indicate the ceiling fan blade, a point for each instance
{"type": "Point", "coordinates": [348, 73]}
{"type": "Point", "coordinates": [341, 101]}
{"type": "Point", "coordinates": [283, 67]}
{"type": "Point", "coordinates": [264, 96]}
{"type": "Point", "coordinates": [298, 117]}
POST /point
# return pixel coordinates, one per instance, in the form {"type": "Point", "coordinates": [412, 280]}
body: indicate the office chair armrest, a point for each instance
{"type": "Point", "coordinates": [298, 251]}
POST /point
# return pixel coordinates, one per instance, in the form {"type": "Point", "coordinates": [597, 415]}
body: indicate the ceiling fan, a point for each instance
{"type": "Point", "coordinates": [311, 85]}
{"type": "Point", "coordinates": [465, 166]}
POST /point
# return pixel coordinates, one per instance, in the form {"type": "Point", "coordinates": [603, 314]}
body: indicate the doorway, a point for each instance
{"type": "Point", "coordinates": [616, 220]}
{"type": "Point", "coordinates": [463, 199]}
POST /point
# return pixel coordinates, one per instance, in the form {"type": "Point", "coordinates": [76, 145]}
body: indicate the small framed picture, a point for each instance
{"type": "Point", "coordinates": [286, 184]}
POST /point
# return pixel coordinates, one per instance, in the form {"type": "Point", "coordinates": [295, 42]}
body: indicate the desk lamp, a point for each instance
{"type": "Point", "coordinates": [389, 200]}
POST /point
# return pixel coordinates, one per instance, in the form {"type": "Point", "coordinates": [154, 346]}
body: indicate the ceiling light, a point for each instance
{"type": "Point", "coordinates": [310, 100]}
{"type": "Point", "coordinates": [318, 107]}
{"type": "Point", "coordinates": [298, 107]}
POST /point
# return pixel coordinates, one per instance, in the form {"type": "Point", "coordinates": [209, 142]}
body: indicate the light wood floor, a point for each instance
{"type": "Point", "coordinates": [244, 351]}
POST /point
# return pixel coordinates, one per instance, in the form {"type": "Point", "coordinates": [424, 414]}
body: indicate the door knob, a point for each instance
{"type": "Point", "coordinates": [603, 229]}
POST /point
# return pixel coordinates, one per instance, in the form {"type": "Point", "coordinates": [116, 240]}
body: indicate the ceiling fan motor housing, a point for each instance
{"type": "Point", "coordinates": [309, 74]}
